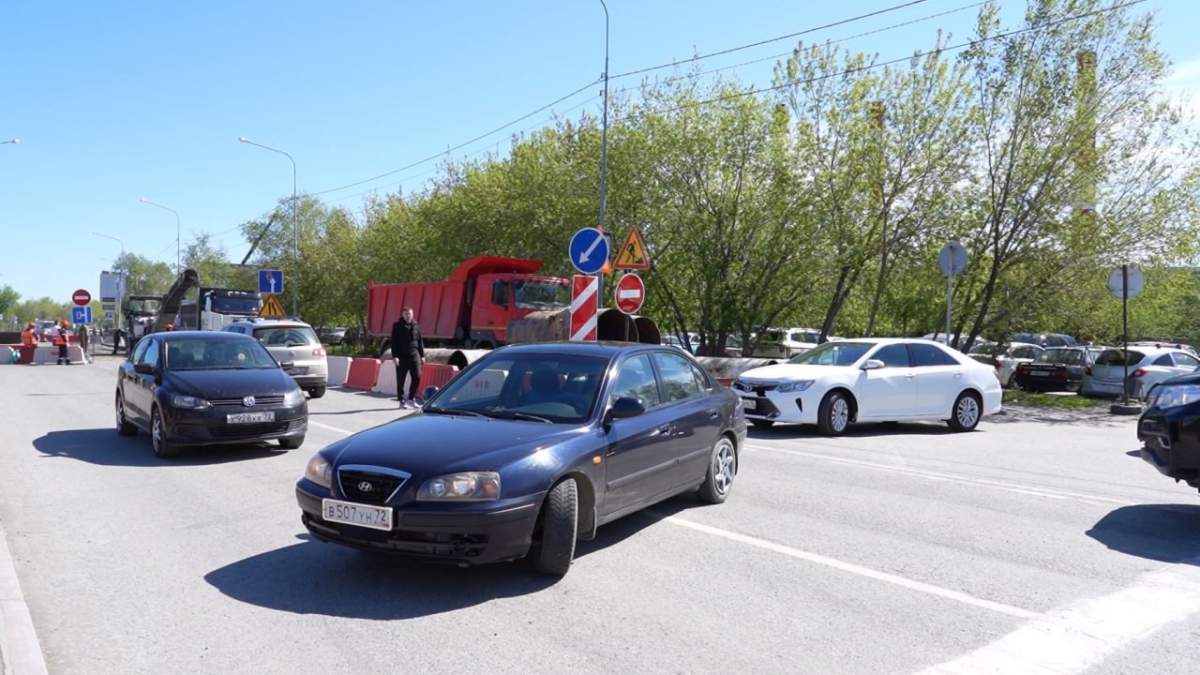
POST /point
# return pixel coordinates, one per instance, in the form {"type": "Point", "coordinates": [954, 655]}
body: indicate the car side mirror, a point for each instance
{"type": "Point", "coordinates": [873, 364]}
{"type": "Point", "coordinates": [143, 369]}
{"type": "Point", "coordinates": [287, 365]}
{"type": "Point", "coordinates": [624, 407]}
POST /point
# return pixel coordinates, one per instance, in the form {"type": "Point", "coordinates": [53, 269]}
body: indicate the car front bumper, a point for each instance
{"type": "Point", "coordinates": [799, 407]}
{"type": "Point", "coordinates": [474, 537]}
{"type": "Point", "coordinates": [210, 426]}
{"type": "Point", "coordinates": [1172, 442]}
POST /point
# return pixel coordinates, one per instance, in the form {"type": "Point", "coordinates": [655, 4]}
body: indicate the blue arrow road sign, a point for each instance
{"type": "Point", "coordinates": [81, 315]}
{"type": "Point", "coordinates": [589, 250]}
{"type": "Point", "coordinates": [270, 281]}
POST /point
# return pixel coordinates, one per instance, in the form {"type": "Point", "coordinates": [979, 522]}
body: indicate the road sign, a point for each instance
{"type": "Point", "coordinates": [633, 254]}
{"type": "Point", "coordinates": [584, 296]}
{"type": "Point", "coordinates": [630, 293]}
{"type": "Point", "coordinates": [589, 250]}
{"type": "Point", "coordinates": [81, 315]}
{"type": "Point", "coordinates": [108, 316]}
{"type": "Point", "coordinates": [109, 306]}
{"type": "Point", "coordinates": [1118, 287]}
{"type": "Point", "coordinates": [953, 259]}
{"type": "Point", "coordinates": [270, 281]}
{"type": "Point", "coordinates": [81, 297]}
{"type": "Point", "coordinates": [271, 307]}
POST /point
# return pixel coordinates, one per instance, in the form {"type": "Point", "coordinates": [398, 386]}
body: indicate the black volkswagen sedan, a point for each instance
{"type": "Point", "coordinates": [192, 388]}
{"type": "Point", "coordinates": [1170, 429]}
{"type": "Point", "coordinates": [529, 449]}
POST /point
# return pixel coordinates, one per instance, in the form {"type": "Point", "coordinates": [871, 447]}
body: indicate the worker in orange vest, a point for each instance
{"type": "Point", "coordinates": [27, 337]}
{"type": "Point", "coordinates": [60, 339]}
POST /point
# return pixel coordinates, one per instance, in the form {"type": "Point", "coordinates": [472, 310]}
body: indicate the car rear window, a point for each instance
{"type": "Point", "coordinates": [1112, 357]}
{"type": "Point", "coordinates": [1070, 357]}
{"type": "Point", "coordinates": [277, 336]}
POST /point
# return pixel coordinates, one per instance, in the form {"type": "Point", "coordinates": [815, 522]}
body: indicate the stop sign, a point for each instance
{"type": "Point", "coordinates": [630, 293]}
{"type": "Point", "coordinates": [81, 297]}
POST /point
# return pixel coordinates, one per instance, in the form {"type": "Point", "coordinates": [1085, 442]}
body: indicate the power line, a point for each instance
{"type": "Point", "coordinates": [461, 145]}
{"type": "Point", "coordinates": [849, 71]}
{"type": "Point", "coordinates": [760, 43]}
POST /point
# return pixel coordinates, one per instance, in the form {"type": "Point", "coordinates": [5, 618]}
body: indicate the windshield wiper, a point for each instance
{"type": "Point", "coordinates": [514, 415]}
{"type": "Point", "coordinates": [455, 411]}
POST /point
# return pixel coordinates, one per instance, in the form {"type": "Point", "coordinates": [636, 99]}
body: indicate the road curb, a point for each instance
{"type": "Point", "coordinates": [20, 652]}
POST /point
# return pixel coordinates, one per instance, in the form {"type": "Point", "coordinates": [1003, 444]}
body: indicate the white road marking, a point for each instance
{"type": "Point", "coordinates": [952, 478]}
{"type": "Point", "coordinates": [857, 569]}
{"type": "Point", "coordinates": [326, 426]}
{"type": "Point", "coordinates": [1070, 640]}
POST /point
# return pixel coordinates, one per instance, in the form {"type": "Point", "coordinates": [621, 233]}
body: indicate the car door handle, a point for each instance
{"type": "Point", "coordinates": [664, 429]}
{"type": "Point", "coordinates": [713, 414]}
{"type": "Point", "coordinates": [910, 376]}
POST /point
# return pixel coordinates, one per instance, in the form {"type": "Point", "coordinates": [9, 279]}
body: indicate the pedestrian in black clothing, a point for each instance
{"type": "Point", "coordinates": [408, 352]}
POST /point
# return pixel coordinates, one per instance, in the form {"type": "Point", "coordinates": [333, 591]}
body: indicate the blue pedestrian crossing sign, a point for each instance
{"type": "Point", "coordinates": [589, 250]}
{"type": "Point", "coordinates": [270, 281]}
{"type": "Point", "coordinates": [81, 315]}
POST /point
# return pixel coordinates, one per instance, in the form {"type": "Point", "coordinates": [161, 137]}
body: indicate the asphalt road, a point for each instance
{"type": "Point", "coordinates": [1035, 545]}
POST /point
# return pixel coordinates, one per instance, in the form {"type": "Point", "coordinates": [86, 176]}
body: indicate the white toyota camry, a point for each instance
{"type": "Point", "coordinates": [871, 380]}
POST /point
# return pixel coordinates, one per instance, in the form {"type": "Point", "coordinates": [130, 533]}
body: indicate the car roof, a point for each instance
{"type": "Point", "coordinates": [606, 349]}
{"type": "Point", "coordinates": [201, 335]}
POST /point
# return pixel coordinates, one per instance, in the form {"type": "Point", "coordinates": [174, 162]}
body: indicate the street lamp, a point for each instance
{"type": "Point", "coordinates": [124, 261]}
{"type": "Point", "coordinates": [178, 267]}
{"type": "Point", "coordinates": [604, 125]}
{"type": "Point", "coordinates": [295, 227]}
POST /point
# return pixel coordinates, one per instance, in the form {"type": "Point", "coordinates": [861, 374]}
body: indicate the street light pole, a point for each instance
{"type": "Point", "coordinates": [124, 272]}
{"type": "Point", "coordinates": [178, 266]}
{"type": "Point", "coordinates": [603, 158]}
{"type": "Point", "coordinates": [295, 227]}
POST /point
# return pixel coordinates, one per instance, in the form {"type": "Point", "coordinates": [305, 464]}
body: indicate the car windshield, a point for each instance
{"type": "Point", "coordinates": [541, 294]}
{"type": "Point", "coordinates": [804, 336]}
{"type": "Point", "coordinates": [216, 354]}
{"type": "Point", "coordinates": [286, 336]}
{"type": "Point", "coordinates": [555, 388]}
{"type": "Point", "coordinates": [225, 304]}
{"type": "Point", "coordinates": [840, 353]}
{"type": "Point", "coordinates": [1070, 357]}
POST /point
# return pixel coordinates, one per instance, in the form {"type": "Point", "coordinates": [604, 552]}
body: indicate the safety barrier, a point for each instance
{"type": "Point", "coordinates": [487, 383]}
{"type": "Point", "coordinates": [8, 356]}
{"type": "Point", "coordinates": [437, 375]}
{"type": "Point", "coordinates": [363, 374]}
{"type": "Point", "coordinates": [386, 382]}
{"type": "Point", "coordinates": [48, 354]}
{"type": "Point", "coordinates": [339, 369]}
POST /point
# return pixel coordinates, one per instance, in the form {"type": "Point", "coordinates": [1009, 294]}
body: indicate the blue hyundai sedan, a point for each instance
{"type": "Point", "coordinates": [528, 450]}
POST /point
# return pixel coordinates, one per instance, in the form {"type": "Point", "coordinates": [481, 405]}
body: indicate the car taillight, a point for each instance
{"type": "Point", "coordinates": [1138, 373]}
{"type": "Point", "coordinates": [319, 351]}
{"type": "Point", "coordinates": [1087, 371]}
{"type": "Point", "coordinates": [999, 364]}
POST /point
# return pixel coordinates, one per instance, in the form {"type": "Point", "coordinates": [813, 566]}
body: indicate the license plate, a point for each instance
{"type": "Point", "coordinates": [246, 418]}
{"type": "Point", "coordinates": [1039, 373]}
{"type": "Point", "coordinates": [749, 403]}
{"type": "Point", "coordinates": [299, 370]}
{"type": "Point", "coordinates": [363, 515]}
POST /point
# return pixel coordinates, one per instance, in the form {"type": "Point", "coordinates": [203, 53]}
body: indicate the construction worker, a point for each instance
{"type": "Point", "coordinates": [28, 338]}
{"type": "Point", "coordinates": [60, 339]}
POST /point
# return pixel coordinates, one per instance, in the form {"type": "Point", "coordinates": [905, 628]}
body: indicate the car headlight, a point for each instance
{"type": "Point", "coordinates": [801, 385]}
{"type": "Point", "coordinates": [1173, 397]}
{"type": "Point", "coordinates": [181, 401]}
{"type": "Point", "coordinates": [468, 486]}
{"type": "Point", "coordinates": [293, 397]}
{"type": "Point", "coordinates": [319, 471]}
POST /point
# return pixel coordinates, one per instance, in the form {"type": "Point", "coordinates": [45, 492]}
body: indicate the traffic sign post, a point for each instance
{"type": "Point", "coordinates": [81, 297]}
{"type": "Point", "coordinates": [271, 307]}
{"type": "Point", "coordinates": [589, 250]}
{"type": "Point", "coordinates": [584, 308]}
{"type": "Point", "coordinates": [81, 315]}
{"type": "Point", "coordinates": [270, 281]}
{"type": "Point", "coordinates": [633, 255]}
{"type": "Point", "coordinates": [630, 293]}
{"type": "Point", "coordinates": [952, 261]}
{"type": "Point", "coordinates": [1124, 283]}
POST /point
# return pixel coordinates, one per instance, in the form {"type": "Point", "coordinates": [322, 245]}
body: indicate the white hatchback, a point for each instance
{"type": "Point", "coordinates": [1147, 366]}
{"type": "Point", "coordinates": [871, 380]}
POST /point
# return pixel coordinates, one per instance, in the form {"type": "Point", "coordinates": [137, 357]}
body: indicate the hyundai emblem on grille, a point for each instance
{"type": "Point", "coordinates": [248, 401]}
{"type": "Point", "coordinates": [365, 486]}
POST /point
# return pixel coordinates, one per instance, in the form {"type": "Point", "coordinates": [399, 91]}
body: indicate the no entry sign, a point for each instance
{"type": "Point", "coordinates": [81, 297]}
{"type": "Point", "coordinates": [630, 293]}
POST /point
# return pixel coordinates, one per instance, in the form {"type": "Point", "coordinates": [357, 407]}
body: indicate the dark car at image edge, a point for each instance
{"type": "Point", "coordinates": [526, 451]}
{"type": "Point", "coordinates": [1170, 429]}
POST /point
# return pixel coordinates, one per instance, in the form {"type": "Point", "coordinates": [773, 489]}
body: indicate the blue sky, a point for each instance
{"type": "Point", "coordinates": [118, 100]}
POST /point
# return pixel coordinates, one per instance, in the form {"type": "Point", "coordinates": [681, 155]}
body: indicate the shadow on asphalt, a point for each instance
{"type": "Point", "coordinates": [865, 430]}
{"type": "Point", "coordinates": [311, 577]}
{"type": "Point", "coordinates": [105, 447]}
{"type": "Point", "coordinates": [1163, 532]}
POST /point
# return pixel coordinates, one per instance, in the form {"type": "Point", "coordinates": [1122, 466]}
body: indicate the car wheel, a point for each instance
{"type": "Point", "coordinates": [158, 437]}
{"type": "Point", "coordinates": [124, 426]}
{"type": "Point", "coordinates": [291, 443]}
{"type": "Point", "coordinates": [559, 529]}
{"type": "Point", "coordinates": [763, 424]}
{"type": "Point", "coordinates": [316, 392]}
{"type": "Point", "coordinates": [833, 416]}
{"type": "Point", "coordinates": [722, 468]}
{"type": "Point", "coordinates": [966, 413]}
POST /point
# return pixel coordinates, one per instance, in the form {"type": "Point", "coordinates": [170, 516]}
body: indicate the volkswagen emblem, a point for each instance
{"type": "Point", "coordinates": [365, 486]}
{"type": "Point", "coordinates": [248, 401]}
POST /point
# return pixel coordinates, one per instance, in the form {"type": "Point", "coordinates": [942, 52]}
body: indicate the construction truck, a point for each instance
{"type": "Point", "coordinates": [215, 308]}
{"type": "Point", "coordinates": [146, 314]}
{"type": "Point", "coordinates": [492, 301]}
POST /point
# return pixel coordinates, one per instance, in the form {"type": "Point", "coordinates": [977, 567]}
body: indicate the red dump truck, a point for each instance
{"type": "Point", "coordinates": [472, 309]}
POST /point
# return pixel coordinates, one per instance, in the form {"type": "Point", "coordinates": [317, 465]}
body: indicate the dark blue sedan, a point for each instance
{"type": "Point", "coordinates": [528, 450]}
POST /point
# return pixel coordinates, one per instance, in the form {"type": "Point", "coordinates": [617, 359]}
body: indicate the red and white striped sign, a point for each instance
{"type": "Point", "coordinates": [584, 301]}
